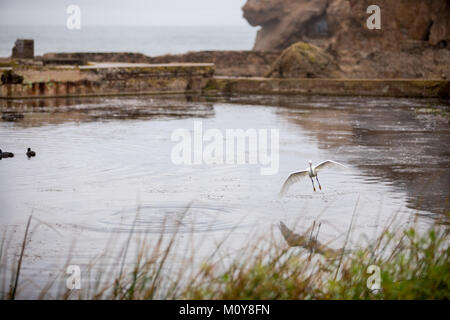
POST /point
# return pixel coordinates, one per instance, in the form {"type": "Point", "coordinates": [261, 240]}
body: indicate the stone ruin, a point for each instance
{"type": "Point", "coordinates": [23, 49]}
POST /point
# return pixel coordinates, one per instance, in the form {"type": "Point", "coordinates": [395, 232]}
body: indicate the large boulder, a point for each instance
{"type": "Point", "coordinates": [303, 60]}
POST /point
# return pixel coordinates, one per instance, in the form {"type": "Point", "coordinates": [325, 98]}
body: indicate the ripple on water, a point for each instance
{"type": "Point", "coordinates": [169, 217]}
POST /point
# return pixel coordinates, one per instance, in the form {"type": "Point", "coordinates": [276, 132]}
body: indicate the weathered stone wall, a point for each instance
{"type": "Point", "coordinates": [23, 49]}
{"type": "Point", "coordinates": [227, 63]}
{"type": "Point", "coordinates": [59, 82]}
{"type": "Point", "coordinates": [128, 57]}
{"type": "Point", "coordinates": [336, 87]}
{"type": "Point", "coordinates": [98, 82]}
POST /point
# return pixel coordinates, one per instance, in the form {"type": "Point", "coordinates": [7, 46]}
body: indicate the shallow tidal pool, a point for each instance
{"type": "Point", "coordinates": [104, 168]}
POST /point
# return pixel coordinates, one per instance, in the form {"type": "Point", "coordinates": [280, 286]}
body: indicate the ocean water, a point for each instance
{"type": "Point", "coordinates": [150, 40]}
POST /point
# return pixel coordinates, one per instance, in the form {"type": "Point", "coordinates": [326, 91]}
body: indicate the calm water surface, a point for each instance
{"type": "Point", "coordinates": [99, 159]}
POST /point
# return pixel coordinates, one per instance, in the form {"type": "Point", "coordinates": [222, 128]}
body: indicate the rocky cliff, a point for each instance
{"type": "Point", "coordinates": [413, 40]}
{"type": "Point", "coordinates": [284, 22]}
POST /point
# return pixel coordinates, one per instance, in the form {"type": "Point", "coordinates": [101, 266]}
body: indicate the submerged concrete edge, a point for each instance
{"type": "Point", "coordinates": [204, 82]}
{"type": "Point", "coordinates": [413, 88]}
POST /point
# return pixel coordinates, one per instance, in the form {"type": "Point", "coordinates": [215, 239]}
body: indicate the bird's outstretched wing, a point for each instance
{"type": "Point", "coordinates": [328, 164]}
{"type": "Point", "coordinates": [293, 178]}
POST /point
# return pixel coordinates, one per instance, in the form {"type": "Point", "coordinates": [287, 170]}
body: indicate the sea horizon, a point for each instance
{"type": "Point", "coordinates": [150, 40]}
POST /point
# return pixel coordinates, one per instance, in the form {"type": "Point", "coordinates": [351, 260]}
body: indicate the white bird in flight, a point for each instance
{"type": "Point", "coordinates": [311, 172]}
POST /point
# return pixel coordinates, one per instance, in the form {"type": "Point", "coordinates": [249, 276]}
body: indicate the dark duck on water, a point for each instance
{"type": "Point", "coordinates": [30, 153]}
{"type": "Point", "coordinates": [6, 154]}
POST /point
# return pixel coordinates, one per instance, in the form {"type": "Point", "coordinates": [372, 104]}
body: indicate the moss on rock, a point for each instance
{"type": "Point", "coordinates": [303, 60]}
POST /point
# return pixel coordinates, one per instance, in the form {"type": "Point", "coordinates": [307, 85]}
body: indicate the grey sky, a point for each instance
{"type": "Point", "coordinates": [124, 12]}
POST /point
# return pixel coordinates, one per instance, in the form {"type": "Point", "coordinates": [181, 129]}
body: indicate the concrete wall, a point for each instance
{"type": "Point", "coordinates": [388, 88]}
{"type": "Point", "coordinates": [132, 79]}
{"type": "Point", "coordinates": [108, 80]}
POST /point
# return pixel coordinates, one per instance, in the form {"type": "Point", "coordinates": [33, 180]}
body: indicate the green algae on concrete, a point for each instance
{"type": "Point", "coordinates": [135, 79]}
{"type": "Point", "coordinates": [339, 87]}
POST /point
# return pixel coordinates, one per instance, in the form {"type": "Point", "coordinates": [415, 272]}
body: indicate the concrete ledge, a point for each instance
{"type": "Point", "coordinates": [135, 79]}
{"type": "Point", "coordinates": [340, 87]}
{"type": "Point", "coordinates": [108, 79]}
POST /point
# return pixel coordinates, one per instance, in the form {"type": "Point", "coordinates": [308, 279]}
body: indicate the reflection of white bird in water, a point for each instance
{"type": "Point", "coordinates": [311, 243]}
{"type": "Point", "coordinates": [311, 172]}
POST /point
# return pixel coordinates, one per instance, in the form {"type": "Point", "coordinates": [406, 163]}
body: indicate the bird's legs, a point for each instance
{"type": "Point", "coordinates": [313, 184]}
{"type": "Point", "coordinates": [317, 178]}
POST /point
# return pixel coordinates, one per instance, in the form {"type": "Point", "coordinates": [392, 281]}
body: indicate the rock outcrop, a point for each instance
{"type": "Point", "coordinates": [303, 60]}
{"type": "Point", "coordinates": [285, 22]}
{"type": "Point", "coordinates": [413, 41]}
